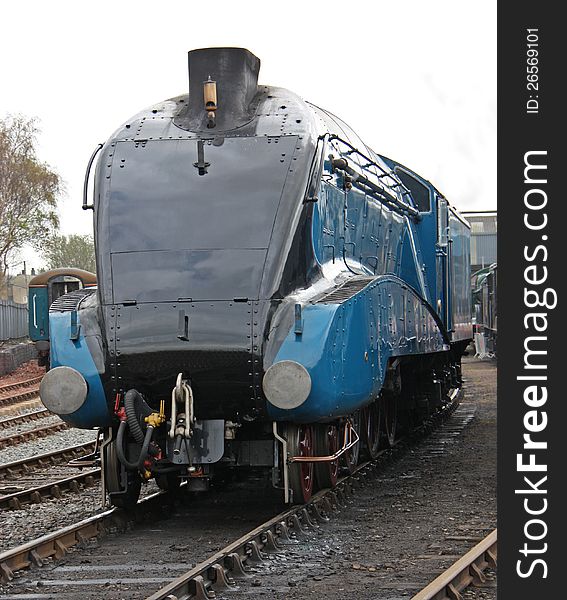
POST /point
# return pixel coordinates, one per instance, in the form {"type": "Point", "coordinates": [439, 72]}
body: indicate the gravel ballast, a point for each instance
{"type": "Point", "coordinates": [57, 441]}
{"type": "Point", "coordinates": [30, 425]}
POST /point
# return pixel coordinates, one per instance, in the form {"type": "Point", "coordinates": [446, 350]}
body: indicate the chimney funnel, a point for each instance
{"type": "Point", "coordinates": [234, 71]}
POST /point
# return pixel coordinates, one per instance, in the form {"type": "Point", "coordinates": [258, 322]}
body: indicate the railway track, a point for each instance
{"type": "Point", "coordinates": [220, 571]}
{"type": "Point", "coordinates": [468, 570]}
{"type": "Point", "coordinates": [19, 479]}
{"type": "Point", "coordinates": [26, 436]}
{"type": "Point", "coordinates": [56, 545]}
{"type": "Point", "coordinates": [54, 489]}
{"type": "Point", "coordinates": [47, 459]}
{"type": "Point", "coordinates": [4, 389]}
{"type": "Point", "coordinates": [292, 523]}
{"type": "Point", "coordinates": [18, 409]}
{"type": "Point", "coordinates": [224, 566]}
{"type": "Point", "coordinates": [25, 418]}
{"type": "Point", "coordinates": [14, 399]}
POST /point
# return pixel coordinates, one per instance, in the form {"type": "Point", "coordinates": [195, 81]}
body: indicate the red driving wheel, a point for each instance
{"type": "Point", "coordinates": [301, 474]}
{"type": "Point", "coordinates": [326, 444]}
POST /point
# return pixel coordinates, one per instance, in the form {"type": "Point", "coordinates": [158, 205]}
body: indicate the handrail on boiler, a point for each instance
{"type": "Point", "coordinates": [86, 205]}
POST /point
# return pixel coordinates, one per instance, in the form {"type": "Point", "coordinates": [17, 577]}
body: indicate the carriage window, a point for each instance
{"type": "Point", "coordinates": [62, 285]}
{"type": "Point", "coordinates": [419, 192]}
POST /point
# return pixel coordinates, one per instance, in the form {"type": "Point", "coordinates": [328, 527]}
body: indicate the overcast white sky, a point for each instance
{"type": "Point", "coordinates": [427, 71]}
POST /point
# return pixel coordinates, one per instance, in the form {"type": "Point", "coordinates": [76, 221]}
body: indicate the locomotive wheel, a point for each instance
{"type": "Point", "coordinates": [326, 443]}
{"type": "Point", "coordinates": [390, 409]}
{"type": "Point", "coordinates": [372, 420]}
{"type": "Point", "coordinates": [351, 456]}
{"type": "Point", "coordinates": [113, 476]}
{"type": "Point", "coordinates": [300, 441]}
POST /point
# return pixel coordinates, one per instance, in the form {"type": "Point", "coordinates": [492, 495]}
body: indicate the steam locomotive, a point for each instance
{"type": "Point", "coordinates": [271, 293]}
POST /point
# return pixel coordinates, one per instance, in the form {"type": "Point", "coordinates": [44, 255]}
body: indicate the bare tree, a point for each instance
{"type": "Point", "coordinates": [28, 190]}
{"type": "Point", "coordinates": [70, 251]}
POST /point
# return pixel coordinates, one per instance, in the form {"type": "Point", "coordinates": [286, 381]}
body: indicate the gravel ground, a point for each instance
{"type": "Point", "coordinates": [34, 520]}
{"type": "Point", "coordinates": [60, 439]}
{"type": "Point", "coordinates": [30, 425]}
{"type": "Point", "coordinates": [485, 593]}
{"type": "Point", "coordinates": [133, 564]}
{"type": "Point", "coordinates": [21, 408]}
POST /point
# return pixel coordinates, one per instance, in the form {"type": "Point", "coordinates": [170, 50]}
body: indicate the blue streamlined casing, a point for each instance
{"type": "Point", "coordinates": [346, 347]}
{"type": "Point", "coordinates": [76, 354]}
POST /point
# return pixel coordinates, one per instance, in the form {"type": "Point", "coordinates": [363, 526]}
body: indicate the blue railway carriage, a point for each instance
{"type": "Point", "coordinates": [44, 290]}
{"type": "Point", "coordinates": [271, 292]}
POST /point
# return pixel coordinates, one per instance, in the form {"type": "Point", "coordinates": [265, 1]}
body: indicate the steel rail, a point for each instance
{"type": "Point", "coordinates": [26, 418]}
{"type": "Point", "coordinates": [14, 386]}
{"type": "Point", "coordinates": [32, 434]}
{"type": "Point", "coordinates": [56, 544]}
{"type": "Point", "coordinates": [55, 489]}
{"type": "Point", "coordinates": [468, 570]}
{"type": "Point", "coordinates": [219, 570]}
{"type": "Point", "coordinates": [14, 399]}
{"type": "Point", "coordinates": [43, 460]}
{"type": "Point", "coordinates": [16, 409]}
